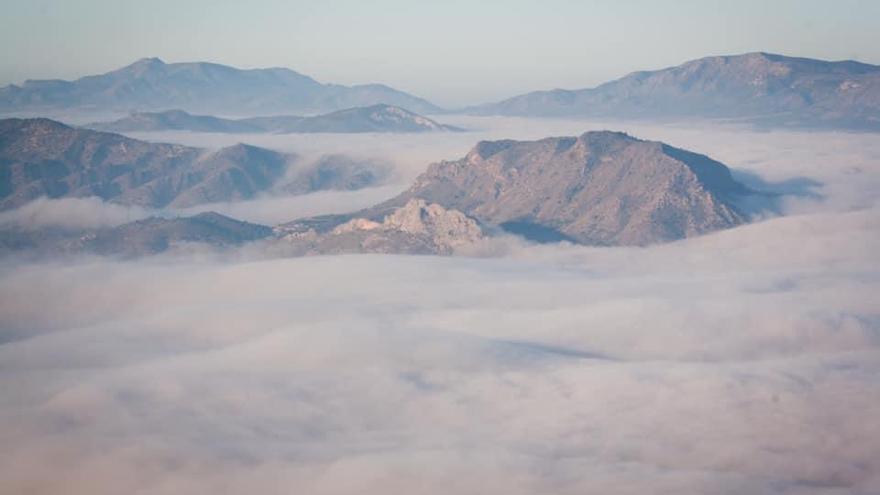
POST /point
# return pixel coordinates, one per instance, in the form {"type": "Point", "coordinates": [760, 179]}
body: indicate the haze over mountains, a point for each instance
{"type": "Point", "coordinates": [758, 88]}
{"type": "Point", "coordinates": [761, 88]}
{"type": "Point", "coordinates": [42, 157]}
{"type": "Point", "coordinates": [599, 188]}
{"type": "Point", "coordinates": [151, 84]}
{"type": "Point", "coordinates": [375, 118]}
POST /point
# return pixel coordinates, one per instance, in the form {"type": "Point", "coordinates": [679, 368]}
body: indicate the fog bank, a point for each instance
{"type": "Point", "coordinates": [745, 361]}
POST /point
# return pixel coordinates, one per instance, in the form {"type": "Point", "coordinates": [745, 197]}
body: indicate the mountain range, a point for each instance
{"type": "Point", "coordinates": [151, 84]}
{"type": "Point", "coordinates": [42, 157]}
{"type": "Point", "coordinates": [600, 188]}
{"type": "Point", "coordinates": [375, 118]}
{"type": "Point", "coordinates": [760, 88]}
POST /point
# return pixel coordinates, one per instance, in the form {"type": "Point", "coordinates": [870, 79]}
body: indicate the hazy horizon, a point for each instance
{"type": "Point", "coordinates": [454, 54]}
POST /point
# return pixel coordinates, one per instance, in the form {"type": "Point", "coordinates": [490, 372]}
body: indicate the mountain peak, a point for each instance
{"type": "Point", "coordinates": [415, 227]}
{"type": "Point", "coordinates": [603, 187]}
{"type": "Point", "coordinates": [149, 61]}
{"type": "Point", "coordinates": [485, 149]}
{"type": "Point", "coordinates": [239, 151]}
{"type": "Point", "coordinates": [606, 135]}
{"type": "Point", "coordinates": [144, 64]}
{"type": "Point", "coordinates": [759, 55]}
{"type": "Point", "coordinates": [36, 124]}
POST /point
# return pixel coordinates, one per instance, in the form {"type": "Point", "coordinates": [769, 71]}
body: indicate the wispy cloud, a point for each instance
{"type": "Point", "coordinates": [75, 213]}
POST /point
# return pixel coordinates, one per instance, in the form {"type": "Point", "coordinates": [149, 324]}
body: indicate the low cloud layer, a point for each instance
{"type": "Point", "coordinates": [746, 361]}
{"type": "Point", "coordinates": [74, 213]}
{"type": "Point", "coordinates": [840, 168]}
{"type": "Point", "coordinates": [274, 209]}
{"type": "Point", "coordinates": [268, 209]}
{"type": "Point", "coordinates": [740, 362]}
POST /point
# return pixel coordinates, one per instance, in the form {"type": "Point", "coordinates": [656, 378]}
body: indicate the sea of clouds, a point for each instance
{"type": "Point", "coordinates": [746, 361]}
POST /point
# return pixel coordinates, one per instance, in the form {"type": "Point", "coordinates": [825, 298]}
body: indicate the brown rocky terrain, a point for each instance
{"type": "Point", "coordinates": [416, 227]}
{"type": "Point", "coordinates": [601, 188]}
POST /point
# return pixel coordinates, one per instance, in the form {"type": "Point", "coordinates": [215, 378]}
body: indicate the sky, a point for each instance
{"type": "Point", "coordinates": [453, 52]}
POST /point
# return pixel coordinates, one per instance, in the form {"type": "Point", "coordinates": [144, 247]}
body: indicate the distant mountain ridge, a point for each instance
{"type": "Point", "coordinates": [760, 88]}
{"type": "Point", "coordinates": [151, 84]}
{"type": "Point", "coordinates": [174, 120]}
{"type": "Point", "coordinates": [375, 118]}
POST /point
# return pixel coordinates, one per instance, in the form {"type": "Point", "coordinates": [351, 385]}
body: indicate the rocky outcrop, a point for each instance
{"type": "Point", "coordinates": [416, 227]}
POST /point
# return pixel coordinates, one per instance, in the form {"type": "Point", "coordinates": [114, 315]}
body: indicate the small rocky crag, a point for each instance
{"type": "Point", "coordinates": [416, 227]}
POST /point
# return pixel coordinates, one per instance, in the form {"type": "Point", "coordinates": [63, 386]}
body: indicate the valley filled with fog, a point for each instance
{"type": "Point", "coordinates": [812, 171]}
{"type": "Point", "coordinates": [742, 361]}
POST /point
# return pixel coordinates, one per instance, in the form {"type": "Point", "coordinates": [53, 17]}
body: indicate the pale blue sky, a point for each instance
{"type": "Point", "coordinates": [451, 52]}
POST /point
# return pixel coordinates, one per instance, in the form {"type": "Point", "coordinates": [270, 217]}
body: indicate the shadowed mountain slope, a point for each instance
{"type": "Point", "coordinates": [41, 157]}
